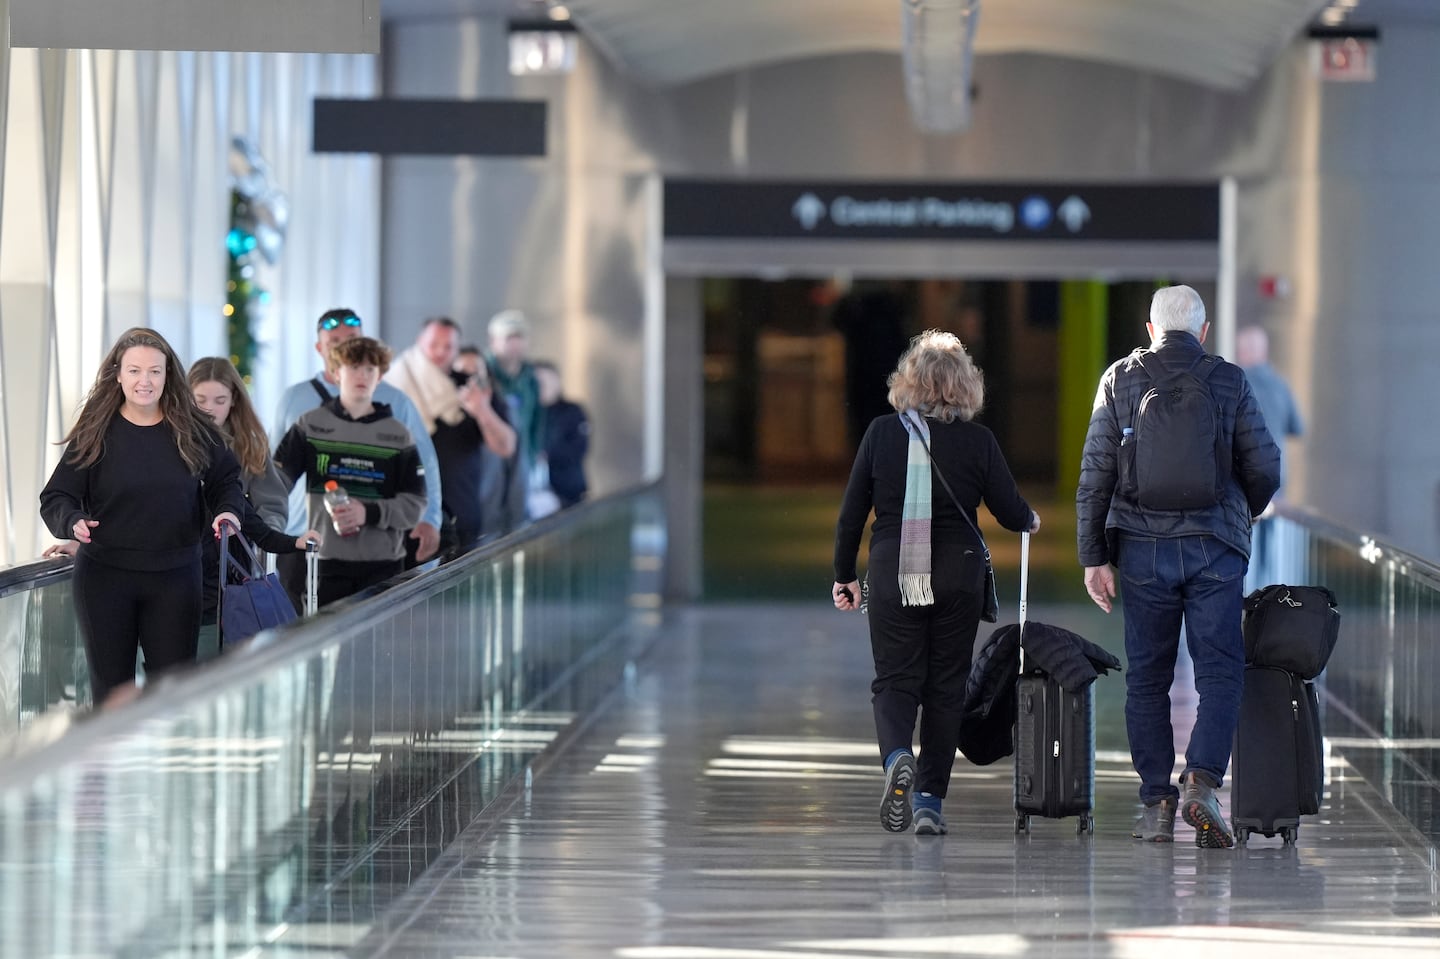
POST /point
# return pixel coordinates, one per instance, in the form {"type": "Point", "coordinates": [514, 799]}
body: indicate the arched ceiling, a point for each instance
{"type": "Point", "coordinates": [1219, 43]}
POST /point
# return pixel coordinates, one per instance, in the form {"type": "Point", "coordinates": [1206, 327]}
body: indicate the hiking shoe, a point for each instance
{"type": "Point", "coordinates": [1202, 810]}
{"type": "Point", "coordinates": [929, 822]}
{"type": "Point", "coordinates": [895, 812]}
{"type": "Point", "coordinates": [1157, 823]}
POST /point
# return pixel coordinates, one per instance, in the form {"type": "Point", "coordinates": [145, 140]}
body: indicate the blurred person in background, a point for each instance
{"type": "Point", "coordinates": [464, 419]}
{"type": "Point", "coordinates": [514, 379]}
{"type": "Point", "coordinates": [567, 437]}
{"type": "Point", "coordinates": [1282, 419]}
{"type": "Point", "coordinates": [502, 482]}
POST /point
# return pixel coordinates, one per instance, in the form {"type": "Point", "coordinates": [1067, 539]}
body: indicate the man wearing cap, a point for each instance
{"type": "Point", "coordinates": [336, 326]}
{"type": "Point", "coordinates": [514, 378]}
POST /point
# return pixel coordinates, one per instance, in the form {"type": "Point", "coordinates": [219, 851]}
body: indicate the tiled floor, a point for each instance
{"type": "Point", "coordinates": [726, 808]}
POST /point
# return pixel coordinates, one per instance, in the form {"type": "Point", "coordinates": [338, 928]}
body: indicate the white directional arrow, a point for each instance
{"type": "Point", "coordinates": [1074, 213]}
{"type": "Point", "coordinates": [809, 210]}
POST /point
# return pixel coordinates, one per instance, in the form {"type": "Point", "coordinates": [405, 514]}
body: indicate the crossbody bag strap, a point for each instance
{"type": "Point", "coordinates": [935, 468]}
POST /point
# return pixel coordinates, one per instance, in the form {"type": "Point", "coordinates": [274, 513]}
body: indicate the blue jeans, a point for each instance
{"type": "Point", "coordinates": [1162, 581]}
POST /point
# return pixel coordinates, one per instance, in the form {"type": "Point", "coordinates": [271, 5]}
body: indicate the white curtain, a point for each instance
{"type": "Point", "coordinates": [114, 205]}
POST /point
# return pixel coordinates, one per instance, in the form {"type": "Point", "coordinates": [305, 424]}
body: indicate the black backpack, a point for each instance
{"type": "Point", "coordinates": [1175, 454]}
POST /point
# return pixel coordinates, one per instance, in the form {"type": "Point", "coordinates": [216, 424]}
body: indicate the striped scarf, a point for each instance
{"type": "Point", "coordinates": [915, 589]}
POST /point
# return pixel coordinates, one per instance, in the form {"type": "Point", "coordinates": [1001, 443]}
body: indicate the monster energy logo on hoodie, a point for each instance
{"type": "Point", "coordinates": [363, 469]}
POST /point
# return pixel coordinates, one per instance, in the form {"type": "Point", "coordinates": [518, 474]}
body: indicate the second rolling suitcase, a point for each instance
{"type": "Point", "coordinates": [1054, 752]}
{"type": "Point", "coordinates": [1054, 739]}
{"type": "Point", "coordinates": [1277, 768]}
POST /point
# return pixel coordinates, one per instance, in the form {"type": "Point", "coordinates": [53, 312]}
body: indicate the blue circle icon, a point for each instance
{"type": "Point", "coordinates": [1035, 213]}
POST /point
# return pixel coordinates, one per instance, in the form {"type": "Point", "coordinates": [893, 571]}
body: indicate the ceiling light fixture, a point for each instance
{"type": "Point", "coordinates": [543, 47]}
{"type": "Point", "coordinates": [937, 53]}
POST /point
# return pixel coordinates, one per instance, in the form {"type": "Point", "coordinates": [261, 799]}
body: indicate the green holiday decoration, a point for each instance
{"type": "Point", "coordinates": [240, 291]}
{"type": "Point", "coordinates": [258, 216]}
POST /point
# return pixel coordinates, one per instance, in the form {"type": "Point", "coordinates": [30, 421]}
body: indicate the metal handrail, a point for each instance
{"type": "Point", "coordinates": [1371, 548]}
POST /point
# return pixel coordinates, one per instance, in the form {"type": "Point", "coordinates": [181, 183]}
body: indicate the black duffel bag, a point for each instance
{"type": "Point", "coordinates": [1291, 627]}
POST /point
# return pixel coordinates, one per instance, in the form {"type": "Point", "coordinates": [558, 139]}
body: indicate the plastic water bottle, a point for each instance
{"type": "Point", "coordinates": [335, 495]}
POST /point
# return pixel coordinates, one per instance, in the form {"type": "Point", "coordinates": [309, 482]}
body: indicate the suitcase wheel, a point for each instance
{"type": "Point", "coordinates": [1022, 823]}
{"type": "Point", "coordinates": [1085, 824]}
{"type": "Point", "coordinates": [1288, 834]}
{"type": "Point", "coordinates": [1242, 834]}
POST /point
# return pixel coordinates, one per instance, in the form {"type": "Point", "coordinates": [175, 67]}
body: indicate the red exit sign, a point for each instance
{"type": "Point", "coordinates": [1349, 59]}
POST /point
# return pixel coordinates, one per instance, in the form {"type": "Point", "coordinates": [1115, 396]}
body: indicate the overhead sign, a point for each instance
{"type": "Point", "coordinates": [1067, 212]}
{"type": "Point", "coordinates": [289, 26]}
{"type": "Point", "coordinates": [392, 127]}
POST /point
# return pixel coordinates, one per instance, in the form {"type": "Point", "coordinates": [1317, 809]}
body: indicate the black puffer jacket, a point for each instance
{"type": "Point", "coordinates": [1100, 507]}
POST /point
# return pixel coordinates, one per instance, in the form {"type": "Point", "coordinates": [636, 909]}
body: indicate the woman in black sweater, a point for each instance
{"type": "Point", "coordinates": [927, 567]}
{"type": "Point", "coordinates": [143, 471]}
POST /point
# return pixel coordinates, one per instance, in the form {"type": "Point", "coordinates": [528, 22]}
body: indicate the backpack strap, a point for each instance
{"type": "Point", "coordinates": [1207, 360]}
{"type": "Point", "coordinates": [320, 390]}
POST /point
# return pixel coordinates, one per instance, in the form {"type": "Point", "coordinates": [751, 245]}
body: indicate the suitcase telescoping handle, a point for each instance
{"type": "Point", "coordinates": [1024, 572]}
{"type": "Point", "coordinates": [312, 557]}
{"type": "Point", "coordinates": [1024, 589]}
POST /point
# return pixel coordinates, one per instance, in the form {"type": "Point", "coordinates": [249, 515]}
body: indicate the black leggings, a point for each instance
{"type": "Point", "coordinates": [124, 610]}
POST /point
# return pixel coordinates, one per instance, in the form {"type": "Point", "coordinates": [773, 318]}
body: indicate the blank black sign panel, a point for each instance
{"type": "Point", "coordinates": [498, 128]}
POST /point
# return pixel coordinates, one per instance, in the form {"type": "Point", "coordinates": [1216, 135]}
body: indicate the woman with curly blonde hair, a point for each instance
{"type": "Point", "coordinates": [926, 572]}
{"type": "Point", "coordinates": [144, 477]}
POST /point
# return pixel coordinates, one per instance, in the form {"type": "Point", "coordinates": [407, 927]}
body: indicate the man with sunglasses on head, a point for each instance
{"type": "Point", "coordinates": [336, 326]}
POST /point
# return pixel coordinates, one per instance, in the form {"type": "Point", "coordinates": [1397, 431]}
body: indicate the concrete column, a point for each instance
{"type": "Point", "coordinates": [684, 437]}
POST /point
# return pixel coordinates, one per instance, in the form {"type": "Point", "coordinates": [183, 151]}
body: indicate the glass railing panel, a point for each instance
{"type": "Point", "coordinates": [42, 661]}
{"type": "Point", "coordinates": [1382, 707]}
{"type": "Point", "coordinates": [289, 792]}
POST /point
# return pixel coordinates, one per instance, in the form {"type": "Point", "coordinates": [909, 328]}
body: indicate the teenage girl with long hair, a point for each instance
{"type": "Point", "coordinates": [220, 393]}
{"type": "Point", "coordinates": [142, 472]}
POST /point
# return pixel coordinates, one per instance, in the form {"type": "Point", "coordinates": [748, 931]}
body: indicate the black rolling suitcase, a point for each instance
{"type": "Point", "coordinates": [1277, 768]}
{"type": "Point", "coordinates": [1054, 740]}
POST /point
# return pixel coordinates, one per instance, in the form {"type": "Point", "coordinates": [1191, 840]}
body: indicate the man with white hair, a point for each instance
{"type": "Point", "coordinates": [1177, 462]}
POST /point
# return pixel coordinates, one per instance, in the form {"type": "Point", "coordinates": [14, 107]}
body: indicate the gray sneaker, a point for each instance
{"type": "Point", "coordinates": [929, 822]}
{"type": "Point", "coordinates": [895, 811]}
{"type": "Point", "coordinates": [1157, 823]}
{"type": "Point", "coordinates": [1202, 810]}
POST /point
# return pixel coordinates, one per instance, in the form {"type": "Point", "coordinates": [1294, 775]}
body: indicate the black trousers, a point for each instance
{"type": "Point", "coordinates": [121, 611]}
{"type": "Point", "coordinates": [342, 577]}
{"type": "Point", "coordinates": [290, 567]}
{"type": "Point", "coordinates": [922, 656]}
